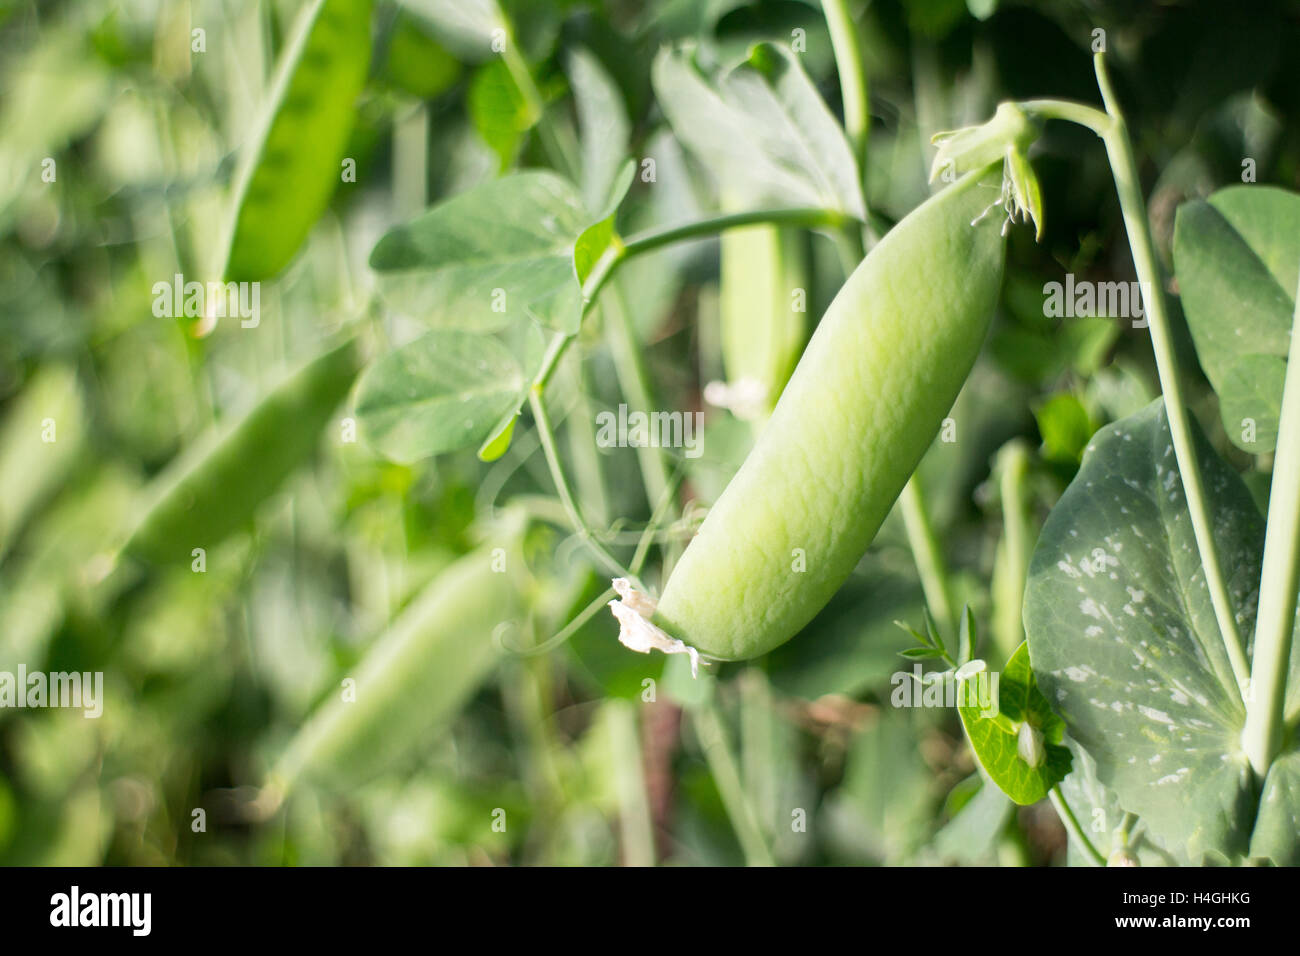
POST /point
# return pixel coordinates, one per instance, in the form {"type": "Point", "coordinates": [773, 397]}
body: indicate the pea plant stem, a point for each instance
{"type": "Point", "coordinates": [636, 830]}
{"type": "Point", "coordinates": [718, 753]}
{"type": "Point", "coordinates": [621, 251]}
{"type": "Point", "coordinates": [1133, 206]}
{"type": "Point", "coordinates": [927, 554]}
{"type": "Point", "coordinates": [1009, 599]}
{"type": "Point", "coordinates": [1113, 131]}
{"type": "Point", "coordinates": [1262, 738]}
{"type": "Point", "coordinates": [1072, 827]}
{"type": "Point", "coordinates": [799, 217]}
{"type": "Point", "coordinates": [547, 437]}
{"type": "Point", "coordinates": [635, 384]}
{"type": "Point", "coordinates": [853, 78]}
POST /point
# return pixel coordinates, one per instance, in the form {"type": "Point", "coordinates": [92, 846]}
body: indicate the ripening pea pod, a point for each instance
{"type": "Point", "coordinates": [214, 486]}
{"type": "Point", "coordinates": [295, 158]}
{"type": "Point", "coordinates": [866, 399]}
{"type": "Point", "coordinates": [762, 300]}
{"type": "Point", "coordinates": [413, 680]}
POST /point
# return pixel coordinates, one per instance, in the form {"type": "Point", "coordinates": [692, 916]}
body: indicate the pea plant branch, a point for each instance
{"type": "Point", "coordinates": [1265, 727]}
{"type": "Point", "coordinates": [1110, 126]}
{"type": "Point", "coordinates": [853, 78]}
{"type": "Point", "coordinates": [1073, 828]}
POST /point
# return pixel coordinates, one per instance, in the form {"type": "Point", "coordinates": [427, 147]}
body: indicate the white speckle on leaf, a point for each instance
{"type": "Point", "coordinates": [1157, 715]}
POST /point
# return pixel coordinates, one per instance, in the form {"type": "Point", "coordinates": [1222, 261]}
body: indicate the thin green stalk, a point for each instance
{"type": "Point", "coordinates": [635, 825]}
{"type": "Point", "coordinates": [1133, 206]}
{"type": "Point", "coordinates": [1263, 735]}
{"type": "Point", "coordinates": [1113, 131]}
{"type": "Point", "coordinates": [607, 266]}
{"type": "Point", "coordinates": [799, 217]}
{"type": "Point", "coordinates": [722, 765]}
{"type": "Point", "coordinates": [583, 451]}
{"type": "Point", "coordinates": [1072, 827]}
{"type": "Point", "coordinates": [927, 554]}
{"type": "Point", "coordinates": [847, 46]}
{"type": "Point", "coordinates": [661, 508]}
{"type": "Point", "coordinates": [635, 384]}
{"type": "Point", "coordinates": [1009, 629]}
{"type": "Point", "coordinates": [566, 496]}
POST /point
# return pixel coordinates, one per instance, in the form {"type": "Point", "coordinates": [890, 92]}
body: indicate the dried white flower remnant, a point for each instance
{"type": "Point", "coordinates": [636, 633]}
{"type": "Point", "coordinates": [746, 398]}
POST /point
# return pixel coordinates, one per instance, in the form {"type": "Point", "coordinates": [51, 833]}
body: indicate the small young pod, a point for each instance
{"type": "Point", "coordinates": [864, 403]}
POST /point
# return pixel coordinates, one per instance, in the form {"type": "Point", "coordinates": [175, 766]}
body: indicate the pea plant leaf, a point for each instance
{"type": "Point", "coordinates": [283, 186]}
{"type": "Point", "coordinates": [1018, 742]}
{"type": "Point", "coordinates": [761, 128]}
{"type": "Point", "coordinates": [603, 124]}
{"type": "Point", "coordinates": [466, 26]}
{"type": "Point", "coordinates": [489, 256]}
{"type": "Point", "coordinates": [446, 390]}
{"type": "Point", "coordinates": [1237, 257]}
{"type": "Point", "coordinates": [1277, 828]}
{"type": "Point", "coordinates": [1125, 644]}
{"type": "Point", "coordinates": [600, 235]}
{"type": "Point", "coordinates": [1098, 810]}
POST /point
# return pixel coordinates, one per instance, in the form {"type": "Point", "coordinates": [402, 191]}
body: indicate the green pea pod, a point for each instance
{"type": "Point", "coordinates": [880, 373]}
{"type": "Point", "coordinates": [414, 679]}
{"type": "Point", "coordinates": [763, 298]}
{"type": "Point", "coordinates": [215, 485]}
{"type": "Point", "coordinates": [295, 158]}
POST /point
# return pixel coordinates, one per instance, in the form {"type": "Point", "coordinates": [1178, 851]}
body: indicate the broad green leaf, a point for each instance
{"type": "Point", "coordinates": [445, 390]}
{"type": "Point", "coordinates": [1099, 813]}
{"type": "Point", "coordinates": [1001, 741]}
{"type": "Point", "coordinates": [490, 256]}
{"type": "Point", "coordinates": [762, 129]}
{"type": "Point", "coordinates": [293, 161]}
{"type": "Point", "coordinates": [216, 484]}
{"type": "Point", "coordinates": [602, 123]}
{"type": "Point", "coordinates": [1237, 257]}
{"type": "Point", "coordinates": [1125, 643]}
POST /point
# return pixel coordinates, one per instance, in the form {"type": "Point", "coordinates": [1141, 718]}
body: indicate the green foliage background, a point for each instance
{"type": "Point", "coordinates": [208, 676]}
